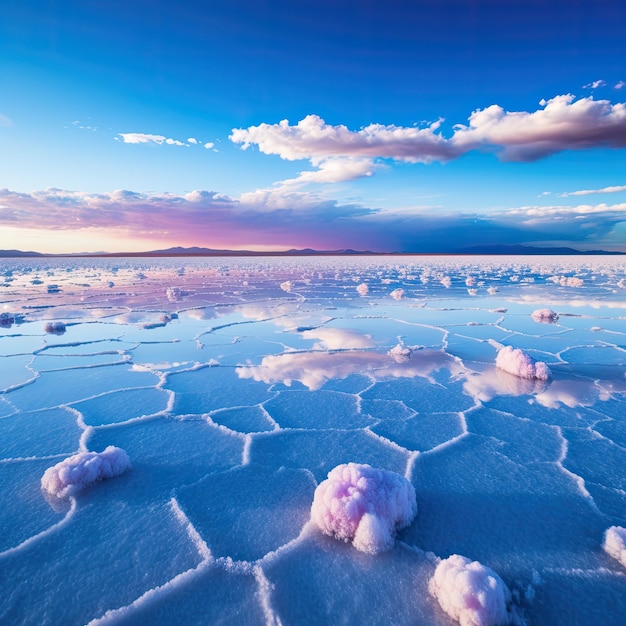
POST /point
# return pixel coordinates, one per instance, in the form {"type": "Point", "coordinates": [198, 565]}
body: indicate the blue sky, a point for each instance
{"type": "Point", "coordinates": [418, 127]}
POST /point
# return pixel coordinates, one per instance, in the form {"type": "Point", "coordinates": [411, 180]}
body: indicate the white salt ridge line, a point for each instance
{"type": "Point", "coordinates": [388, 443]}
{"type": "Point", "coordinates": [156, 593]}
{"type": "Point", "coordinates": [75, 344]}
{"type": "Point", "coordinates": [30, 381]}
{"type": "Point", "coordinates": [245, 453]}
{"type": "Point", "coordinates": [44, 533]}
{"type": "Point", "coordinates": [229, 431]}
{"type": "Point", "coordinates": [578, 480]}
{"type": "Point", "coordinates": [126, 360]}
{"type": "Point", "coordinates": [267, 415]}
{"type": "Point", "coordinates": [453, 440]}
{"type": "Point", "coordinates": [49, 457]}
{"type": "Point", "coordinates": [585, 573]}
{"type": "Point", "coordinates": [410, 465]}
{"type": "Point", "coordinates": [265, 596]}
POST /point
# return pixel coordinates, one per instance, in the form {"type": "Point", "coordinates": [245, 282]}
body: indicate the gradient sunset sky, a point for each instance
{"type": "Point", "coordinates": [272, 124]}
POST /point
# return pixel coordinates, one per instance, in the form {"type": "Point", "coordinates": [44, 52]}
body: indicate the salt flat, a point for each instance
{"type": "Point", "coordinates": [236, 385]}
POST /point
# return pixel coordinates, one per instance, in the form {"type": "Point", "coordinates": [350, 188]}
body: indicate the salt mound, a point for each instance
{"type": "Point", "coordinates": [517, 362]}
{"type": "Point", "coordinates": [81, 470]}
{"type": "Point", "coordinates": [615, 543]}
{"type": "Point", "coordinates": [363, 289]}
{"type": "Point", "coordinates": [364, 505]}
{"type": "Point", "coordinates": [55, 328]}
{"type": "Point", "coordinates": [397, 294]}
{"type": "Point", "coordinates": [470, 592]}
{"type": "Point", "coordinates": [545, 316]}
{"type": "Point", "coordinates": [286, 286]}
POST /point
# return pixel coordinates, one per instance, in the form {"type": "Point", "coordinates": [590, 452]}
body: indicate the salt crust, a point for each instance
{"type": "Point", "coordinates": [364, 505]}
{"type": "Point", "coordinates": [471, 593]}
{"type": "Point", "coordinates": [615, 543]}
{"type": "Point", "coordinates": [517, 362]}
{"type": "Point", "coordinates": [81, 470]}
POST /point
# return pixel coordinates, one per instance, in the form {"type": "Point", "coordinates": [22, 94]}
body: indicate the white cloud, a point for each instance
{"type": "Point", "coordinates": [549, 212]}
{"type": "Point", "coordinates": [175, 142]}
{"type": "Point", "coordinates": [192, 140]}
{"type": "Point", "coordinates": [595, 84]}
{"type": "Point", "coordinates": [620, 84]}
{"type": "Point", "coordinates": [589, 192]}
{"type": "Point", "coordinates": [313, 139]}
{"type": "Point", "coordinates": [148, 138]}
{"type": "Point", "coordinates": [563, 123]}
{"type": "Point", "coordinates": [209, 145]}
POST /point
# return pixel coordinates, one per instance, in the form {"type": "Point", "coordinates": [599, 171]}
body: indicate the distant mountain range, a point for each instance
{"type": "Point", "coordinates": [498, 249]}
{"type": "Point", "coordinates": [525, 250]}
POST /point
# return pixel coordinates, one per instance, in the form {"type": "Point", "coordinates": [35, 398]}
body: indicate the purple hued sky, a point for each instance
{"type": "Point", "coordinates": [388, 126]}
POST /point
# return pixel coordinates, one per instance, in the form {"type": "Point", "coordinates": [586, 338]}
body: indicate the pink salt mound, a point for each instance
{"type": "Point", "coordinates": [471, 593]}
{"type": "Point", "coordinates": [545, 316]}
{"type": "Point", "coordinates": [364, 505]}
{"type": "Point", "coordinates": [517, 362]}
{"type": "Point", "coordinates": [81, 470]}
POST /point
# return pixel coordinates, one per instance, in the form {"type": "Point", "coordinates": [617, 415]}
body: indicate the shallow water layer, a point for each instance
{"type": "Point", "coordinates": [236, 384]}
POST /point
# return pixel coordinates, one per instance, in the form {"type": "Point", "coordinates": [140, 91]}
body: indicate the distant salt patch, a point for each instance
{"type": "Point", "coordinates": [492, 290]}
{"type": "Point", "coordinates": [81, 470]}
{"type": "Point", "coordinates": [286, 286]}
{"type": "Point", "coordinates": [545, 316]}
{"type": "Point", "coordinates": [55, 328]}
{"type": "Point", "coordinates": [471, 593]}
{"type": "Point", "coordinates": [364, 505]}
{"type": "Point", "coordinates": [615, 543]}
{"type": "Point", "coordinates": [397, 294]}
{"type": "Point", "coordinates": [363, 289]}
{"type": "Point", "coordinates": [519, 363]}
{"type": "Point", "coordinates": [446, 281]}
{"type": "Point", "coordinates": [174, 294]}
{"type": "Point", "coordinates": [566, 281]}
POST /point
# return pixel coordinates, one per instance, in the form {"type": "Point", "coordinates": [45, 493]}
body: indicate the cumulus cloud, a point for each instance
{"type": "Point", "coordinates": [615, 543]}
{"type": "Point", "coordinates": [300, 219]}
{"type": "Point", "coordinates": [313, 139]}
{"type": "Point", "coordinates": [471, 593]}
{"type": "Point", "coordinates": [364, 505]}
{"type": "Point", "coordinates": [620, 84]}
{"type": "Point", "coordinates": [81, 470]}
{"type": "Point", "coordinates": [517, 362]}
{"type": "Point", "coordinates": [563, 123]}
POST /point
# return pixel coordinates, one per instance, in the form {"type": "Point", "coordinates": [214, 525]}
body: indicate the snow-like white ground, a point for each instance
{"type": "Point", "coordinates": [235, 385]}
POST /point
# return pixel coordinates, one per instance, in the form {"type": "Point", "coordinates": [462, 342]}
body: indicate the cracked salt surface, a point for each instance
{"type": "Point", "coordinates": [236, 385]}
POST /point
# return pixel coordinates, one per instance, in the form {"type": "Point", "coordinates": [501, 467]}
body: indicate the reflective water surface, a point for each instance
{"type": "Point", "coordinates": [236, 384]}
